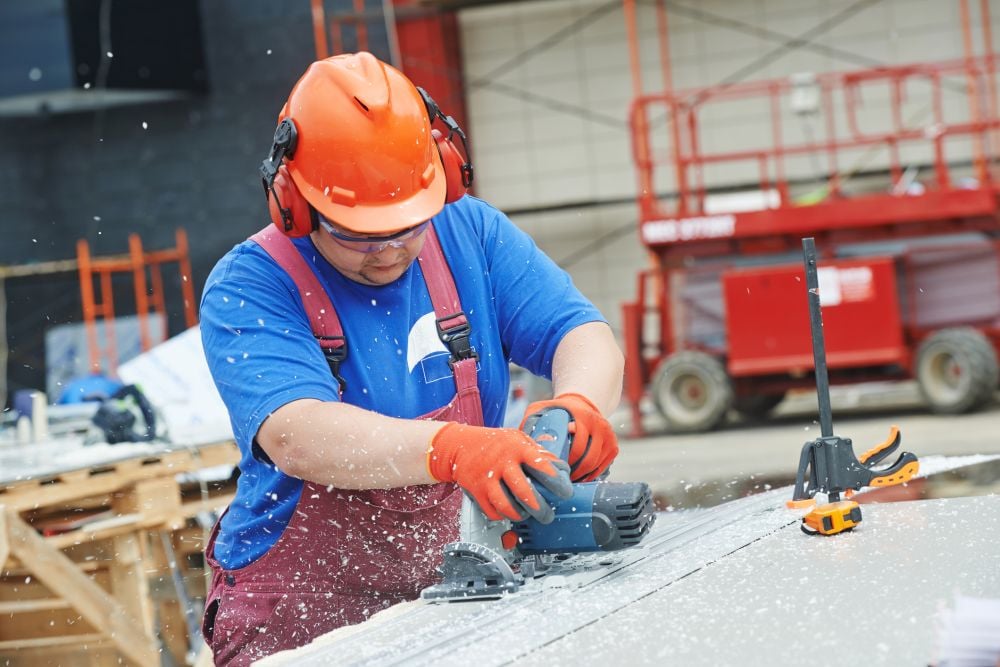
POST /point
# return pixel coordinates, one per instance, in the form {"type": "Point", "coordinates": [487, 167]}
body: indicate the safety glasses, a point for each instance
{"type": "Point", "coordinates": [372, 244]}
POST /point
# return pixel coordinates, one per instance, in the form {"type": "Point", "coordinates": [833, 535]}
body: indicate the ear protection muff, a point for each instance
{"type": "Point", "coordinates": [292, 214]}
{"type": "Point", "coordinates": [454, 168]}
{"type": "Point", "coordinates": [457, 169]}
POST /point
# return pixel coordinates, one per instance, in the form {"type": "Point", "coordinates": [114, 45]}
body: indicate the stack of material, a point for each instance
{"type": "Point", "coordinates": [970, 633]}
{"type": "Point", "coordinates": [100, 556]}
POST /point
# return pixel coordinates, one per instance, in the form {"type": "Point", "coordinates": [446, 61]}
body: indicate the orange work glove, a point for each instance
{"type": "Point", "coordinates": [492, 465]}
{"type": "Point", "coordinates": [594, 445]}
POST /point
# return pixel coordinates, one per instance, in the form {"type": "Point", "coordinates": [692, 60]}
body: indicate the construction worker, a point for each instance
{"type": "Point", "coordinates": [361, 343]}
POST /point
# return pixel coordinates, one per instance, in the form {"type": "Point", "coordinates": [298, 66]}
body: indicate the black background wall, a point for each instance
{"type": "Point", "coordinates": [100, 175]}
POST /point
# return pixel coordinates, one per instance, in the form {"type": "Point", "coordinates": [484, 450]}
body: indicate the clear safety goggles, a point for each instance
{"type": "Point", "coordinates": [372, 244]}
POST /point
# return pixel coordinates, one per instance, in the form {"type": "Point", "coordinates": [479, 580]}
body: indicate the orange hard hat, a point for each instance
{"type": "Point", "coordinates": [364, 158]}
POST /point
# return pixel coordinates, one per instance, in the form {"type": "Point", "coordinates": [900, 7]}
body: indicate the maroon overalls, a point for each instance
{"type": "Point", "coordinates": [345, 554]}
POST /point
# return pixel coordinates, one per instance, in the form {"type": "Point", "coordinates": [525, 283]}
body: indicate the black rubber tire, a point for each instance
{"type": "Point", "coordinates": [757, 406]}
{"type": "Point", "coordinates": [692, 391]}
{"type": "Point", "coordinates": [956, 370]}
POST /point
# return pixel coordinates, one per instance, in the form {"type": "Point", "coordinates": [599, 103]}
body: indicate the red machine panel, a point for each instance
{"type": "Point", "coordinates": [768, 317]}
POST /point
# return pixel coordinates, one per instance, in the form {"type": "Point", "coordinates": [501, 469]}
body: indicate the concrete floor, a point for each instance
{"type": "Point", "coordinates": [707, 468]}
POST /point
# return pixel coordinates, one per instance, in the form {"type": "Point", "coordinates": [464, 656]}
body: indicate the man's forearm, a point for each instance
{"type": "Point", "coordinates": [588, 361]}
{"type": "Point", "coordinates": [346, 446]}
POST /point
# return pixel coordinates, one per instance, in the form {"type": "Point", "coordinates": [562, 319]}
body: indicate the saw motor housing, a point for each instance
{"type": "Point", "coordinates": [600, 516]}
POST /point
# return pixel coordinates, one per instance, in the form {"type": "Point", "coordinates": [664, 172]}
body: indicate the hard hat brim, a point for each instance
{"type": "Point", "coordinates": [392, 216]}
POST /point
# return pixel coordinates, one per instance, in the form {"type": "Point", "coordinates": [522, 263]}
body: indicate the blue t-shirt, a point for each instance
{"type": "Point", "coordinates": [263, 355]}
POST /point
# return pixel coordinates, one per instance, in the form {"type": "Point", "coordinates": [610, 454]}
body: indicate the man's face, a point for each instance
{"type": "Point", "coordinates": [369, 260]}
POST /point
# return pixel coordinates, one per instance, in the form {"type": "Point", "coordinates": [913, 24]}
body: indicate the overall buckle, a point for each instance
{"type": "Point", "coordinates": [456, 337]}
{"type": "Point", "coordinates": [335, 350]}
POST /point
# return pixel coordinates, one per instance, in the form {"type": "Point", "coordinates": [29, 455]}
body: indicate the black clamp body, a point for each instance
{"type": "Point", "coordinates": [828, 465]}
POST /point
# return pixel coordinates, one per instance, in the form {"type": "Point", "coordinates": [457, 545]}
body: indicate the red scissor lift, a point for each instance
{"type": "Point", "coordinates": [910, 251]}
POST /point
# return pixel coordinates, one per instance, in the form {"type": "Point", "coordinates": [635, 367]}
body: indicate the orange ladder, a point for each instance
{"type": "Point", "coordinates": [140, 264]}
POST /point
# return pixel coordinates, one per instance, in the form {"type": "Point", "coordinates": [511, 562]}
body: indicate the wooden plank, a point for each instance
{"type": "Point", "coordinates": [21, 485]}
{"type": "Point", "coordinates": [4, 540]}
{"type": "Point", "coordinates": [93, 651]}
{"type": "Point", "coordinates": [116, 599]}
{"type": "Point", "coordinates": [106, 479]}
{"type": "Point", "coordinates": [222, 453]}
{"type": "Point", "coordinates": [101, 530]}
{"type": "Point", "coordinates": [60, 574]}
{"type": "Point", "coordinates": [149, 497]}
{"type": "Point", "coordinates": [74, 476]}
{"type": "Point", "coordinates": [42, 623]}
{"type": "Point", "coordinates": [25, 606]}
{"type": "Point", "coordinates": [173, 629]}
{"type": "Point", "coordinates": [129, 584]}
{"type": "Point", "coordinates": [91, 654]}
{"type": "Point", "coordinates": [49, 494]}
{"type": "Point", "coordinates": [52, 642]}
{"type": "Point", "coordinates": [189, 510]}
{"type": "Point", "coordinates": [15, 569]}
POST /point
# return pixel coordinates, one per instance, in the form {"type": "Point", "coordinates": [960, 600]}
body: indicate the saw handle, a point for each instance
{"type": "Point", "coordinates": [549, 427]}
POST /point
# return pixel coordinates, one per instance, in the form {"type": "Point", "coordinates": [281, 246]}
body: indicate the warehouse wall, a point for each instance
{"type": "Point", "coordinates": [548, 89]}
{"type": "Point", "coordinates": [101, 175]}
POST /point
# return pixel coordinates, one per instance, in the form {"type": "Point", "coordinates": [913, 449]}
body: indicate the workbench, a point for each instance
{"type": "Point", "coordinates": [735, 584]}
{"type": "Point", "coordinates": [101, 549]}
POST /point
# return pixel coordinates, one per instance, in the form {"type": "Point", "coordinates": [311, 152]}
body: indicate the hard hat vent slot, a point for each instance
{"type": "Point", "coordinates": [362, 105]}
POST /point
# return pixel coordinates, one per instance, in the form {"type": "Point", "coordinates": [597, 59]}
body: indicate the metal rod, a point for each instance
{"type": "Point", "coordinates": [819, 346]}
{"type": "Point", "coordinates": [389, 14]}
{"type": "Point", "coordinates": [991, 81]}
{"type": "Point", "coordinates": [972, 88]}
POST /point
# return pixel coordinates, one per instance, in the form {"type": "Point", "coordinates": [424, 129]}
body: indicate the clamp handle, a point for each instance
{"type": "Point", "coordinates": [883, 449]}
{"type": "Point", "coordinates": [904, 469]}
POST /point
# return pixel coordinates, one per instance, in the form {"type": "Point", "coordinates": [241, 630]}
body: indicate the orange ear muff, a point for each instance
{"type": "Point", "coordinates": [454, 167]}
{"type": "Point", "coordinates": [457, 170]}
{"type": "Point", "coordinates": [290, 212]}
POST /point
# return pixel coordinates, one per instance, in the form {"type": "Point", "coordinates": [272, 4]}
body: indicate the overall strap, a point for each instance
{"type": "Point", "coordinates": [322, 316]}
{"type": "Point", "coordinates": [452, 325]}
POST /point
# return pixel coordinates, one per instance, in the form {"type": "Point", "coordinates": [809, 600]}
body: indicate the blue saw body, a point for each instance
{"type": "Point", "coordinates": [600, 516]}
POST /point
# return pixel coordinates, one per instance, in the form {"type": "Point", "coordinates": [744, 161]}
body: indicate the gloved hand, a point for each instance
{"type": "Point", "coordinates": [595, 444]}
{"type": "Point", "coordinates": [493, 466]}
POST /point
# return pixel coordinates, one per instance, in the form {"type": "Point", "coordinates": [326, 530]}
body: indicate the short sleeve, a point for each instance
{"type": "Point", "coordinates": [537, 303]}
{"type": "Point", "coordinates": [257, 340]}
